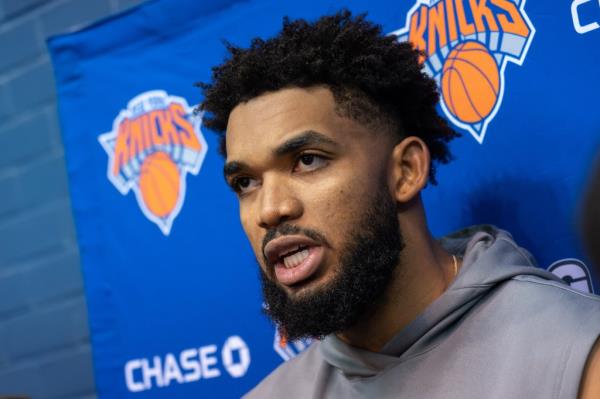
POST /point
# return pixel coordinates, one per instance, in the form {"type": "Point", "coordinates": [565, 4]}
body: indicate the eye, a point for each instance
{"type": "Point", "coordinates": [243, 184]}
{"type": "Point", "coordinates": [309, 162]}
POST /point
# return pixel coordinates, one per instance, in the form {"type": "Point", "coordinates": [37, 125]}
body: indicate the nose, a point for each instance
{"type": "Point", "coordinates": [278, 203]}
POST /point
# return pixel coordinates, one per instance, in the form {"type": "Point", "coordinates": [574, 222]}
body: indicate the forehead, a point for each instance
{"type": "Point", "coordinates": [266, 121]}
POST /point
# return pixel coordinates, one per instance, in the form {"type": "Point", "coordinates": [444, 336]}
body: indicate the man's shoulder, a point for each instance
{"type": "Point", "coordinates": [549, 307]}
{"type": "Point", "coordinates": [569, 321]}
{"type": "Point", "coordinates": [556, 293]}
{"type": "Point", "coordinates": [295, 375]}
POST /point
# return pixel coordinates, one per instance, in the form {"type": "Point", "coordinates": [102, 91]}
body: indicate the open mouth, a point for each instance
{"type": "Point", "coordinates": [294, 258]}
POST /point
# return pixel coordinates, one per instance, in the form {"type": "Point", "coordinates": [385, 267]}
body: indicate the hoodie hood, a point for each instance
{"type": "Point", "coordinates": [489, 256]}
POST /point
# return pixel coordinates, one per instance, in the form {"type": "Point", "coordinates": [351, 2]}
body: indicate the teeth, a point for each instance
{"type": "Point", "coordinates": [295, 259]}
{"type": "Point", "coordinates": [292, 250]}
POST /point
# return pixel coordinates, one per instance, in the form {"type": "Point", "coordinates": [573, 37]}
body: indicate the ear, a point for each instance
{"type": "Point", "coordinates": [410, 164]}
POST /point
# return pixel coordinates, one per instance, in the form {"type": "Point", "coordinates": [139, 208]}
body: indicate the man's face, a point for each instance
{"type": "Point", "coordinates": [314, 204]}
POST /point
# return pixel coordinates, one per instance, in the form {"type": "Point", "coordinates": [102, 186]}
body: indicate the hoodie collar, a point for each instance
{"type": "Point", "coordinates": [490, 257]}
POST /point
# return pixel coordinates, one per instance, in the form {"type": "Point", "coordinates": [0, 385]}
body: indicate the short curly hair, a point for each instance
{"type": "Point", "coordinates": [374, 78]}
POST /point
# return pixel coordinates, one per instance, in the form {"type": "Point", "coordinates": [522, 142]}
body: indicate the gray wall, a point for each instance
{"type": "Point", "coordinates": [44, 338]}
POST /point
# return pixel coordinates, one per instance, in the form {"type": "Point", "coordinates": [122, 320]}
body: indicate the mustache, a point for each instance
{"type": "Point", "coordinates": [286, 229]}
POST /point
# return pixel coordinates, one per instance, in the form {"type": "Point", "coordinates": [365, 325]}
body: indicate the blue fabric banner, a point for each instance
{"type": "Point", "coordinates": [171, 283]}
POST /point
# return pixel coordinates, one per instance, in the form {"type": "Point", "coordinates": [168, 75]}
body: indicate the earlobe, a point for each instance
{"type": "Point", "coordinates": [410, 163]}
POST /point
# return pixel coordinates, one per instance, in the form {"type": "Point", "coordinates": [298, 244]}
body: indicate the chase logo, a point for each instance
{"type": "Point", "coordinates": [467, 45]}
{"type": "Point", "coordinates": [153, 144]}
{"type": "Point", "coordinates": [577, 8]}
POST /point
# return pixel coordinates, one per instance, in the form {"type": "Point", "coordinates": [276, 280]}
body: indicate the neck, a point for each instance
{"type": "Point", "coordinates": [424, 273]}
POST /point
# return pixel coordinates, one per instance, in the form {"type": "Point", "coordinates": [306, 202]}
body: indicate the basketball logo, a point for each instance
{"type": "Point", "coordinates": [154, 143]}
{"type": "Point", "coordinates": [470, 82]}
{"type": "Point", "coordinates": [159, 183]}
{"type": "Point", "coordinates": [466, 51]}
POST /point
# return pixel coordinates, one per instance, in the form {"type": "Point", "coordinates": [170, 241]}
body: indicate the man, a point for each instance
{"type": "Point", "coordinates": [330, 134]}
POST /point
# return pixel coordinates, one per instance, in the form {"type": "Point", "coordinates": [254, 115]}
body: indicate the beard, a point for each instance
{"type": "Point", "coordinates": [366, 268]}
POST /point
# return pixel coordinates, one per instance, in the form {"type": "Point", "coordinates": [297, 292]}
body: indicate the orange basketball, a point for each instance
{"type": "Point", "coordinates": [470, 82]}
{"type": "Point", "coordinates": [159, 184]}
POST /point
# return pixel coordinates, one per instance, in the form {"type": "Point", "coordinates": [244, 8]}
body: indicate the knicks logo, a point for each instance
{"type": "Point", "coordinates": [153, 144]}
{"type": "Point", "coordinates": [466, 45]}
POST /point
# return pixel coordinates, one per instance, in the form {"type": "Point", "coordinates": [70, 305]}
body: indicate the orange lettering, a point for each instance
{"type": "Point", "coordinates": [147, 138]}
{"type": "Point", "coordinates": [121, 156]}
{"type": "Point", "coordinates": [417, 29]}
{"type": "Point", "coordinates": [157, 137]}
{"type": "Point", "coordinates": [165, 122]}
{"type": "Point", "coordinates": [185, 128]}
{"type": "Point", "coordinates": [464, 27]}
{"type": "Point", "coordinates": [451, 20]}
{"type": "Point", "coordinates": [437, 24]}
{"type": "Point", "coordinates": [135, 142]}
{"type": "Point", "coordinates": [480, 11]}
{"type": "Point", "coordinates": [517, 25]}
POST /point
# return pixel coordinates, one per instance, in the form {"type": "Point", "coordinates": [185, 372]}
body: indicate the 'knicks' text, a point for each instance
{"type": "Point", "coordinates": [432, 28]}
{"type": "Point", "coordinates": [159, 128]}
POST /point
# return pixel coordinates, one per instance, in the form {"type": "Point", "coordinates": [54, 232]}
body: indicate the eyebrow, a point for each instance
{"type": "Point", "coordinates": [304, 139]}
{"type": "Point", "coordinates": [233, 167]}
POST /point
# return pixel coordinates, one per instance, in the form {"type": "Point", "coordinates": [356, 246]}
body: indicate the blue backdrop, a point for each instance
{"type": "Point", "coordinates": [171, 283]}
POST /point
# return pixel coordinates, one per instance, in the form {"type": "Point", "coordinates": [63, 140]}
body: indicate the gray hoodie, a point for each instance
{"type": "Point", "coordinates": [503, 329]}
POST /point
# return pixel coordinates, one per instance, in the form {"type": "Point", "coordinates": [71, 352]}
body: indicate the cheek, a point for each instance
{"type": "Point", "coordinates": [334, 208]}
{"type": "Point", "coordinates": [252, 232]}
{"type": "Point", "coordinates": [245, 220]}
